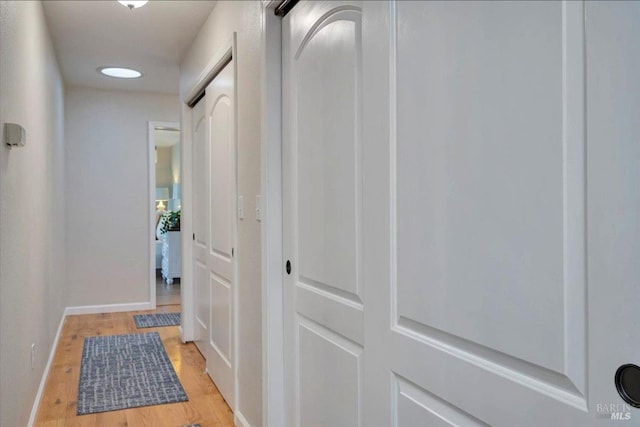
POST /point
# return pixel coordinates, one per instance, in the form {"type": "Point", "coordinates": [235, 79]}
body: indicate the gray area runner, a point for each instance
{"type": "Point", "coordinates": [156, 320]}
{"type": "Point", "coordinates": [126, 371]}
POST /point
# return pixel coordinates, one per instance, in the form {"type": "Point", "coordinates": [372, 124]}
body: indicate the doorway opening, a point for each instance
{"type": "Point", "coordinates": [165, 179]}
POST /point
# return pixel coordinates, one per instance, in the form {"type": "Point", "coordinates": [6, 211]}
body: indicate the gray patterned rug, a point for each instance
{"type": "Point", "coordinates": [126, 371]}
{"type": "Point", "coordinates": [156, 320]}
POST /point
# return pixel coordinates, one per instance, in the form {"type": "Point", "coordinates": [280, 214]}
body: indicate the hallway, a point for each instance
{"type": "Point", "coordinates": [58, 405]}
{"type": "Point", "coordinates": [76, 198]}
{"type": "Point", "coordinates": [399, 213]}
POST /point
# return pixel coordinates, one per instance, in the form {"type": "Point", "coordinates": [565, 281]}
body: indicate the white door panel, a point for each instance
{"type": "Point", "coordinates": [322, 206]}
{"type": "Point", "coordinates": [203, 310]}
{"type": "Point", "coordinates": [221, 317]}
{"type": "Point", "coordinates": [222, 180]}
{"type": "Point", "coordinates": [221, 156]}
{"type": "Point", "coordinates": [482, 172]}
{"type": "Point", "coordinates": [328, 147]}
{"type": "Point", "coordinates": [479, 152]}
{"type": "Point", "coordinates": [330, 380]}
{"type": "Point", "coordinates": [413, 403]}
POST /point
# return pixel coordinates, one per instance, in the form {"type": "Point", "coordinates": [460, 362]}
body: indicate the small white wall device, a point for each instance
{"type": "Point", "coordinates": [14, 135]}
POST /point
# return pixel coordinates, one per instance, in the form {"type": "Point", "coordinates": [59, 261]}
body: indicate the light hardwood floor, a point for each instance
{"type": "Point", "coordinates": [167, 294]}
{"type": "Point", "coordinates": [58, 405]}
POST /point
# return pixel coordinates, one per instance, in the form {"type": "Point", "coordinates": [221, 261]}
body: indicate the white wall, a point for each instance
{"type": "Point", "coordinates": [215, 35]}
{"type": "Point", "coordinates": [164, 173]}
{"type": "Point", "coordinates": [175, 164]}
{"type": "Point", "coordinates": [107, 193]}
{"type": "Point", "coordinates": [32, 208]}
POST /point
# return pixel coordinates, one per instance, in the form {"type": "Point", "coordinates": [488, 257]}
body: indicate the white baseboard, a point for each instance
{"type": "Point", "coordinates": [240, 420]}
{"type": "Point", "coordinates": [45, 374]}
{"type": "Point", "coordinates": [108, 308]}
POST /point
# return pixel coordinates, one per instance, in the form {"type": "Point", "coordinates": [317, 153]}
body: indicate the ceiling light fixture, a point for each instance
{"type": "Point", "coordinates": [133, 4]}
{"type": "Point", "coordinates": [120, 73]}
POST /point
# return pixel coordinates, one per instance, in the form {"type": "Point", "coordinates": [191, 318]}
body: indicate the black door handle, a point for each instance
{"type": "Point", "coordinates": [628, 384]}
{"type": "Point", "coordinates": [288, 267]}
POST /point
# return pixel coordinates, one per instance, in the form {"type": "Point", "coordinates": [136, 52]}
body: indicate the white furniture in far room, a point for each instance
{"type": "Point", "coordinates": [171, 256]}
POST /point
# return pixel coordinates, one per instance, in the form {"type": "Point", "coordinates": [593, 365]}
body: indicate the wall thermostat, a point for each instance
{"type": "Point", "coordinates": [14, 135]}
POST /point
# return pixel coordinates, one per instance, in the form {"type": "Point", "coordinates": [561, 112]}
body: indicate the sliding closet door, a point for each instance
{"type": "Point", "coordinates": [461, 209]}
{"type": "Point", "coordinates": [214, 222]}
{"type": "Point", "coordinates": [322, 214]}
{"type": "Point", "coordinates": [202, 300]}
{"type": "Point", "coordinates": [220, 252]}
{"type": "Point", "coordinates": [501, 241]}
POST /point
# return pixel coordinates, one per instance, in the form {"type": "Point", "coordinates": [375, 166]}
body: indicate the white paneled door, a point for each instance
{"type": "Point", "coordinates": [322, 213]}
{"type": "Point", "coordinates": [461, 213]}
{"type": "Point", "coordinates": [200, 227]}
{"type": "Point", "coordinates": [220, 113]}
{"type": "Point", "coordinates": [215, 227]}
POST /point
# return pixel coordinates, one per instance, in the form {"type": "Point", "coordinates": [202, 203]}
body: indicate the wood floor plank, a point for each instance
{"type": "Point", "coordinates": [59, 401]}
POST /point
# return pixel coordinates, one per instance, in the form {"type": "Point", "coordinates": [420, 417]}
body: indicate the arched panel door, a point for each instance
{"type": "Point", "coordinates": [215, 182]}
{"type": "Point", "coordinates": [322, 213]}
{"type": "Point", "coordinates": [220, 252]}
{"type": "Point", "coordinates": [200, 178]}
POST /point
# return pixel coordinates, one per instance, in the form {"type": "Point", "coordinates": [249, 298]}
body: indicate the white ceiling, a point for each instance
{"type": "Point", "coordinates": [89, 34]}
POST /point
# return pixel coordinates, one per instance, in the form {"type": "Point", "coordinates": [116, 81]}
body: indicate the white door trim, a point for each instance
{"type": "Point", "coordinates": [151, 206]}
{"type": "Point", "coordinates": [271, 210]}
{"type": "Point", "coordinates": [152, 125]}
{"type": "Point", "coordinates": [186, 227]}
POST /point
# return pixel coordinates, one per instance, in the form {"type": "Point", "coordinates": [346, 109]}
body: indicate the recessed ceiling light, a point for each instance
{"type": "Point", "coordinates": [119, 72]}
{"type": "Point", "coordinates": [133, 4]}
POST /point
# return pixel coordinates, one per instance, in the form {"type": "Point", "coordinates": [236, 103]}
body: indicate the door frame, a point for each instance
{"type": "Point", "coordinates": [273, 385]}
{"type": "Point", "coordinates": [151, 127]}
{"type": "Point", "coordinates": [218, 61]}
